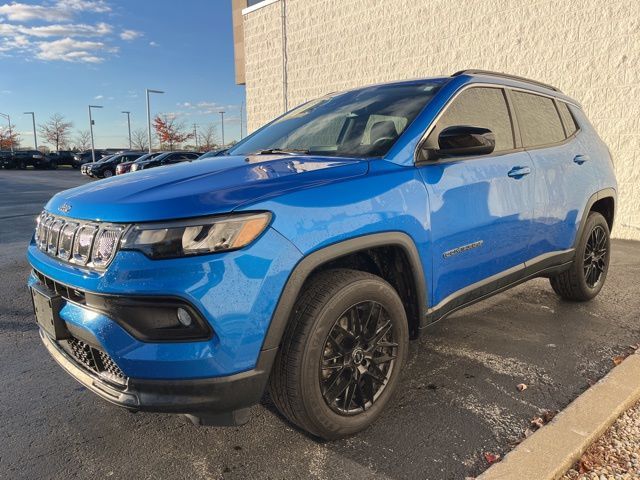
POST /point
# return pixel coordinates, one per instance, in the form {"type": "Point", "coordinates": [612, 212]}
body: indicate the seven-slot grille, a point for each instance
{"type": "Point", "coordinates": [83, 243]}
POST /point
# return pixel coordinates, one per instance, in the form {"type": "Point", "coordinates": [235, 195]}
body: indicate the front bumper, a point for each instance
{"type": "Point", "coordinates": [219, 400]}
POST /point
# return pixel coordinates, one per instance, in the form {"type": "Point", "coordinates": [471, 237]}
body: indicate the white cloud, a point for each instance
{"type": "Point", "coordinates": [54, 37]}
{"type": "Point", "coordinates": [153, 44]}
{"type": "Point", "coordinates": [60, 11]}
{"type": "Point", "coordinates": [129, 35]}
{"type": "Point", "coordinates": [98, 97]}
{"type": "Point", "coordinates": [70, 50]}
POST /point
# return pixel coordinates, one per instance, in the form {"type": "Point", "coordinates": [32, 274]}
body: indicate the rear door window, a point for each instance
{"type": "Point", "coordinates": [478, 107]}
{"type": "Point", "coordinates": [568, 121]}
{"type": "Point", "coordinates": [538, 119]}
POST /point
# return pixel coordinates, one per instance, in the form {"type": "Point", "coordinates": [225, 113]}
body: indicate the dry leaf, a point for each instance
{"type": "Point", "coordinates": [491, 457]}
{"type": "Point", "coordinates": [522, 387]}
{"type": "Point", "coordinates": [537, 422]}
{"type": "Point", "coordinates": [618, 360]}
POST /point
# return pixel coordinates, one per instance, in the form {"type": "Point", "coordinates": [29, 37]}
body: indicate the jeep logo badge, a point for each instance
{"type": "Point", "coordinates": [64, 208]}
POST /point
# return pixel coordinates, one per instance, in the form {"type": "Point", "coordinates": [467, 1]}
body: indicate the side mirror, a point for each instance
{"type": "Point", "coordinates": [465, 140]}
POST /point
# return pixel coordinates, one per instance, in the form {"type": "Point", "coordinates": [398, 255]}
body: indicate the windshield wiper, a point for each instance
{"type": "Point", "coordinates": [288, 151]}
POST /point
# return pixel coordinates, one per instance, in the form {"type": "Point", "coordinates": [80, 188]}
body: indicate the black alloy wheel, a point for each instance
{"type": "Point", "coordinates": [358, 359]}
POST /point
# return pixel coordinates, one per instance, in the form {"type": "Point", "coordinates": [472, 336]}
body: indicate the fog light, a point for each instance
{"type": "Point", "coordinates": [184, 317]}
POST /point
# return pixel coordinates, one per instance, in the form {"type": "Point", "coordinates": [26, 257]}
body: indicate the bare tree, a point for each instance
{"type": "Point", "coordinates": [208, 137]}
{"type": "Point", "coordinates": [139, 140]}
{"type": "Point", "coordinates": [56, 131]}
{"type": "Point", "coordinates": [82, 140]}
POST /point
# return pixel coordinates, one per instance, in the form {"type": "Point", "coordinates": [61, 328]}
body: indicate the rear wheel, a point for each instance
{"type": "Point", "coordinates": [342, 353]}
{"type": "Point", "coordinates": [53, 166]}
{"type": "Point", "coordinates": [586, 277]}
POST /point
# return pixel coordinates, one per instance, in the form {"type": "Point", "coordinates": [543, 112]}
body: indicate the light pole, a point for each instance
{"type": "Point", "coordinates": [241, 113]}
{"type": "Point", "coordinates": [93, 149]}
{"type": "Point", "coordinates": [10, 133]}
{"type": "Point", "coordinates": [195, 134]}
{"type": "Point", "coordinates": [222, 120]}
{"type": "Point", "coordinates": [33, 120]}
{"type": "Point", "coordinates": [149, 114]}
{"type": "Point", "coordinates": [129, 126]}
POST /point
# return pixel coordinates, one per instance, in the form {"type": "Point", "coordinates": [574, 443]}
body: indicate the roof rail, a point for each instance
{"type": "Point", "coordinates": [505, 75]}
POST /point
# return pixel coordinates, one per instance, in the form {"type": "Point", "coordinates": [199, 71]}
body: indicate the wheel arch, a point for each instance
{"type": "Point", "coordinates": [603, 202]}
{"type": "Point", "coordinates": [330, 256]}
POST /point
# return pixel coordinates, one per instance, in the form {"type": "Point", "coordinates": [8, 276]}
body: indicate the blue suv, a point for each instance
{"type": "Point", "coordinates": [304, 259]}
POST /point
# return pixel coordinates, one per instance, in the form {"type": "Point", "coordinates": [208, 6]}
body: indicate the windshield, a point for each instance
{"type": "Point", "coordinates": [359, 123]}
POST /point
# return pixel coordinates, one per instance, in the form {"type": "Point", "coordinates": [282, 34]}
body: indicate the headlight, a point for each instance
{"type": "Point", "coordinates": [196, 237]}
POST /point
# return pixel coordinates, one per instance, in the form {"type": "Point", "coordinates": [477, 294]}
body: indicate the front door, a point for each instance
{"type": "Point", "coordinates": [481, 207]}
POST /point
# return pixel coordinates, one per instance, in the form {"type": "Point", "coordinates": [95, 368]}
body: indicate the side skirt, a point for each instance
{"type": "Point", "coordinates": [541, 266]}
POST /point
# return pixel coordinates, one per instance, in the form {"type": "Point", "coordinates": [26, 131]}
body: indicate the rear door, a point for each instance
{"type": "Point", "coordinates": [550, 135]}
{"type": "Point", "coordinates": [480, 206]}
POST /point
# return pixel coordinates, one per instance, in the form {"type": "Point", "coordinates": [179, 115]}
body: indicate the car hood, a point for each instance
{"type": "Point", "coordinates": [206, 187]}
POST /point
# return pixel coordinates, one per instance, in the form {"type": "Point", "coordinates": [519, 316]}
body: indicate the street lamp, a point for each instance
{"type": "Point", "coordinates": [149, 114]}
{"type": "Point", "coordinates": [93, 149]}
{"type": "Point", "coordinates": [129, 125]}
{"type": "Point", "coordinates": [10, 133]}
{"type": "Point", "coordinates": [222, 119]}
{"type": "Point", "coordinates": [195, 134]}
{"type": "Point", "coordinates": [33, 119]}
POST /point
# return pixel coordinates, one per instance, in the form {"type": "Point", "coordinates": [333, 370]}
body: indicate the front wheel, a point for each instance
{"type": "Point", "coordinates": [341, 355]}
{"type": "Point", "coordinates": [107, 173]}
{"type": "Point", "coordinates": [586, 277]}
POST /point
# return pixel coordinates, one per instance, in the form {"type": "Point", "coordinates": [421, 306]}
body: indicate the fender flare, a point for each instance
{"type": "Point", "coordinates": [599, 195]}
{"type": "Point", "coordinates": [309, 263]}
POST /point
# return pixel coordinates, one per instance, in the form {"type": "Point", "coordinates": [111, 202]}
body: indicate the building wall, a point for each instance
{"type": "Point", "coordinates": [588, 48]}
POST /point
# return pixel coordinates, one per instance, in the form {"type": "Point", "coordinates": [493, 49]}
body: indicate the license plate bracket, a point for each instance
{"type": "Point", "coordinates": [46, 306]}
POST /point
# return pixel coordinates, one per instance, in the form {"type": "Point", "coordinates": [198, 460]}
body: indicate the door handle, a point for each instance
{"type": "Point", "coordinates": [519, 172]}
{"type": "Point", "coordinates": [580, 159]}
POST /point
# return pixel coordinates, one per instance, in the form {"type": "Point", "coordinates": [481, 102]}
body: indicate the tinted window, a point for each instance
{"type": "Point", "coordinates": [538, 119]}
{"type": "Point", "coordinates": [478, 107]}
{"type": "Point", "coordinates": [567, 119]}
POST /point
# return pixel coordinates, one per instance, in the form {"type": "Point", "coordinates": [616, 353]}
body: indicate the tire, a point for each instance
{"type": "Point", "coordinates": [22, 166]}
{"type": "Point", "coordinates": [314, 335]}
{"type": "Point", "coordinates": [53, 166]}
{"type": "Point", "coordinates": [586, 276]}
{"type": "Point", "coordinates": [107, 173]}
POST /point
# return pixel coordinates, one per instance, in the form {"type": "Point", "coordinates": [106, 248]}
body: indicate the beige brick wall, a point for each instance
{"type": "Point", "coordinates": [588, 48]}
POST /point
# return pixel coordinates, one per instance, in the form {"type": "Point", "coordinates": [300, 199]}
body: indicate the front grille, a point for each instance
{"type": "Point", "coordinates": [96, 361]}
{"type": "Point", "coordinates": [90, 244]}
{"type": "Point", "coordinates": [66, 292]}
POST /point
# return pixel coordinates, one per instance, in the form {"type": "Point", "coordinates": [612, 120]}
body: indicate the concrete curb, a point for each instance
{"type": "Point", "coordinates": [552, 450]}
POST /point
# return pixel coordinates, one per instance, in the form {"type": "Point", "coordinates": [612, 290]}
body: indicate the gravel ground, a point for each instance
{"type": "Point", "coordinates": [615, 455]}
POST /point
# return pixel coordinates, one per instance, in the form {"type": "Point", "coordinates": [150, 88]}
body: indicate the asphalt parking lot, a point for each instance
{"type": "Point", "coordinates": [458, 398]}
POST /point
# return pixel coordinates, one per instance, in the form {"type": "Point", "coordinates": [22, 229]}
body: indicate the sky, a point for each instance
{"type": "Point", "coordinates": [59, 56]}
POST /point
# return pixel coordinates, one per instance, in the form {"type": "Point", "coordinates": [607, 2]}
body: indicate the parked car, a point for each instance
{"type": "Point", "coordinates": [85, 168]}
{"type": "Point", "coordinates": [107, 167]}
{"type": "Point", "coordinates": [166, 158]}
{"type": "Point", "coordinates": [305, 259]}
{"type": "Point", "coordinates": [213, 153]}
{"type": "Point", "coordinates": [124, 167]}
{"type": "Point", "coordinates": [86, 157]}
{"type": "Point", "coordinates": [62, 157]}
{"type": "Point", "coordinates": [24, 158]}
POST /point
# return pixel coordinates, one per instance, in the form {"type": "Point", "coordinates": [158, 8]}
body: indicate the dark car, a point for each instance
{"type": "Point", "coordinates": [86, 168]}
{"type": "Point", "coordinates": [125, 167]}
{"type": "Point", "coordinates": [167, 158]}
{"type": "Point", "coordinates": [24, 158]}
{"type": "Point", "coordinates": [107, 167]}
{"type": "Point", "coordinates": [85, 156]}
{"type": "Point", "coordinates": [213, 153]}
{"type": "Point", "coordinates": [62, 157]}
